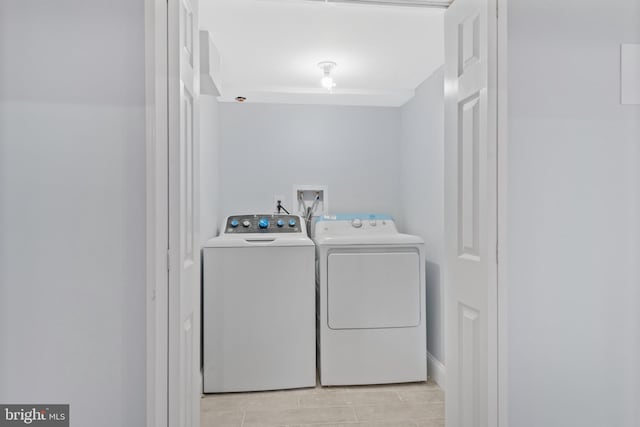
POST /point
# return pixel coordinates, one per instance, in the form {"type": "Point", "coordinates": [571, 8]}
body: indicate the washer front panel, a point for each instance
{"type": "Point", "coordinates": [258, 318]}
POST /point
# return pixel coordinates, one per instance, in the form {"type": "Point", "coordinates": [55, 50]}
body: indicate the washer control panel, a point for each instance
{"type": "Point", "coordinates": [267, 223]}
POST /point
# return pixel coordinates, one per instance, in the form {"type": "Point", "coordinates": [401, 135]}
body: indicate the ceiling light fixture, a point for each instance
{"type": "Point", "coordinates": [327, 80]}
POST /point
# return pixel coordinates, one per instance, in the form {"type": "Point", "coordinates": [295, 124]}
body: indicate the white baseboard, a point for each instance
{"type": "Point", "coordinates": [436, 370]}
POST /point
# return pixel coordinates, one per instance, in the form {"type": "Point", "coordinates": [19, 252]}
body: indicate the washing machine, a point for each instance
{"type": "Point", "coordinates": [371, 301]}
{"type": "Point", "coordinates": [259, 305]}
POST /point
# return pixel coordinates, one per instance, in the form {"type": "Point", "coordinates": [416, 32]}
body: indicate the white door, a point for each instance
{"type": "Point", "coordinates": [471, 213]}
{"type": "Point", "coordinates": [184, 251]}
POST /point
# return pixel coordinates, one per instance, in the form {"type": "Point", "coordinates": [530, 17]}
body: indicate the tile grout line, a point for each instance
{"type": "Point", "coordinates": [355, 414]}
{"type": "Point", "coordinates": [244, 415]}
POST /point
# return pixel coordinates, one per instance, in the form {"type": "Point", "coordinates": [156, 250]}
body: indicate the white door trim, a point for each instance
{"type": "Point", "coordinates": [502, 193]}
{"type": "Point", "coordinates": [157, 213]}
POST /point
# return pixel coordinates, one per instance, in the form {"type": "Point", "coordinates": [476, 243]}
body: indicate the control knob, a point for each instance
{"type": "Point", "coordinates": [292, 222]}
{"type": "Point", "coordinates": [263, 223]}
{"type": "Point", "coordinates": [280, 223]}
{"type": "Point", "coordinates": [234, 223]}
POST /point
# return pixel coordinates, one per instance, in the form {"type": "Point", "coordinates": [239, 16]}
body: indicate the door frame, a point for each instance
{"type": "Point", "coordinates": [157, 212]}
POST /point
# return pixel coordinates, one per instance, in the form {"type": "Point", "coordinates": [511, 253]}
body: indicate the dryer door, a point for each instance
{"type": "Point", "coordinates": [368, 290]}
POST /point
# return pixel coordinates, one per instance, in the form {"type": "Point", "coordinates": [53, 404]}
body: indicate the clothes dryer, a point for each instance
{"type": "Point", "coordinates": [371, 301]}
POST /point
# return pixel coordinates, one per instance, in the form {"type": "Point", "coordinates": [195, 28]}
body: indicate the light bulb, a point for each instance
{"type": "Point", "coordinates": [327, 82]}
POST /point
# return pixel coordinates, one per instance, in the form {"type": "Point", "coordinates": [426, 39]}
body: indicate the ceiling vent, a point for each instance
{"type": "Point", "coordinates": [414, 3]}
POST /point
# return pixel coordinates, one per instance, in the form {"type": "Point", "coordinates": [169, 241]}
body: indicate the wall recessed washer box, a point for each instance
{"type": "Point", "coordinates": [305, 196]}
{"type": "Point", "coordinates": [630, 74]}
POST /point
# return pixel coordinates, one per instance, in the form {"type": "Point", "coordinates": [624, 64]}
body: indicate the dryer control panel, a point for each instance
{"type": "Point", "coordinates": [266, 223]}
{"type": "Point", "coordinates": [354, 225]}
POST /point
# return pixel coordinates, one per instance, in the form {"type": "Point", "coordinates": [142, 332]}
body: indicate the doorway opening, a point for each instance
{"type": "Point", "coordinates": [375, 137]}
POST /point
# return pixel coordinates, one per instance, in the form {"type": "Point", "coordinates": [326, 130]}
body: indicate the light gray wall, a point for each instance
{"type": "Point", "coordinates": [267, 148]}
{"type": "Point", "coordinates": [209, 165]}
{"type": "Point", "coordinates": [573, 206]}
{"type": "Point", "coordinates": [422, 191]}
{"type": "Point", "coordinates": [72, 208]}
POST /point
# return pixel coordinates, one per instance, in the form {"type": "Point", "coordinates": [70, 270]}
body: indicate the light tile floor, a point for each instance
{"type": "Point", "coordinates": [395, 405]}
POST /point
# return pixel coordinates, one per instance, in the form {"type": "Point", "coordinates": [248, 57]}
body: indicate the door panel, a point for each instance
{"type": "Point", "coordinates": [470, 214]}
{"type": "Point", "coordinates": [468, 182]}
{"type": "Point", "coordinates": [187, 213]}
{"type": "Point", "coordinates": [468, 42]}
{"type": "Point", "coordinates": [468, 367]}
{"type": "Point", "coordinates": [186, 371]}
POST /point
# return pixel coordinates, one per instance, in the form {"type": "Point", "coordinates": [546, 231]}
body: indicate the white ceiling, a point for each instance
{"type": "Point", "coordinates": [269, 50]}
